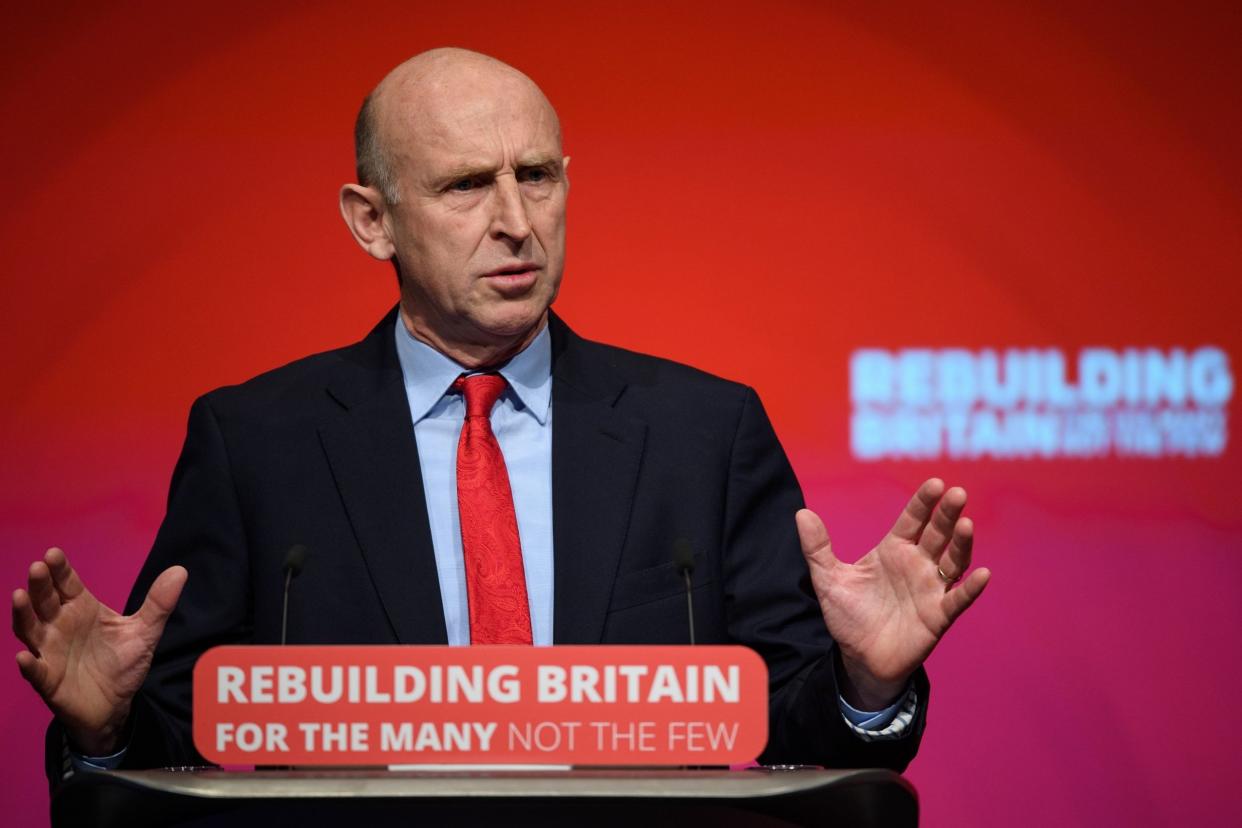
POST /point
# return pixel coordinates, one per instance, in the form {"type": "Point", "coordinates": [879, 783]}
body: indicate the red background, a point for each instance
{"type": "Point", "coordinates": [758, 189]}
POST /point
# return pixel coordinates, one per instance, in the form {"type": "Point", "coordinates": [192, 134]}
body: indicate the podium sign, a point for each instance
{"type": "Point", "coordinates": [383, 705]}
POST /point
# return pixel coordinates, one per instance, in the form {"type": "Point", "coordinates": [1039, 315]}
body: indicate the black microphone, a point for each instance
{"type": "Point", "coordinates": [683, 559]}
{"type": "Point", "coordinates": [295, 559]}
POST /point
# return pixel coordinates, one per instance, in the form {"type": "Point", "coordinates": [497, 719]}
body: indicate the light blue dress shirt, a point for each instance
{"type": "Point", "coordinates": [522, 423]}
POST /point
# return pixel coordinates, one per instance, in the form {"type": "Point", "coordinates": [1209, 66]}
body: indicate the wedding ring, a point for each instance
{"type": "Point", "coordinates": [944, 577]}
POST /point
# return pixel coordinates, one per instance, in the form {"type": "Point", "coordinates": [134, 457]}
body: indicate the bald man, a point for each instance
{"type": "Point", "coordinates": [614, 459]}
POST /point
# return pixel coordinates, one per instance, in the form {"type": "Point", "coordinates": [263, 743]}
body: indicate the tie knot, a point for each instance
{"type": "Point", "coordinates": [481, 392]}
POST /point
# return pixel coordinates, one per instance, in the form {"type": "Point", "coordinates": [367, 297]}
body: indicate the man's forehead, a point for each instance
{"type": "Point", "coordinates": [466, 126]}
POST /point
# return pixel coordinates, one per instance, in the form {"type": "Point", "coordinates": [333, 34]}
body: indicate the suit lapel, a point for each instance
{"type": "Point", "coordinates": [374, 460]}
{"type": "Point", "coordinates": [596, 455]}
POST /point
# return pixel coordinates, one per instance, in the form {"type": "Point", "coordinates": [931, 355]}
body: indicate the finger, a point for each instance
{"type": "Point", "coordinates": [162, 598]}
{"type": "Point", "coordinates": [958, 600]}
{"type": "Point", "coordinates": [43, 595]}
{"type": "Point", "coordinates": [26, 625]}
{"type": "Point", "coordinates": [816, 545]}
{"type": "Point", "coordinates": [33, 670]}
{"type": "Point", "coordinates": [956, 559]}
{"type": "Point", "coordinates": [64, 576]}
{"type": "Point", "coordinates": [939, 529]}
{"type": "Point", "coordinates": [918, 511]}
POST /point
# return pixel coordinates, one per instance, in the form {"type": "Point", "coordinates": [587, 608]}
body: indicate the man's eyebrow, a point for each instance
{"type": "Point", "coordinates": [539, 161]}
{"type": "Point", "coordinates": [465, 171]}
{"type": "Point", "coordinates": [484, 170]}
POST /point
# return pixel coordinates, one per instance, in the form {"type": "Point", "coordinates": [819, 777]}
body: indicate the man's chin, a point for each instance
{"type": "Point", "coordinates": [516, 327]}
{"type": "Point", "coordinates": [510, 332]}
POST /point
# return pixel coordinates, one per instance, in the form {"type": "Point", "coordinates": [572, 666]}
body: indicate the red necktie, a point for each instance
{"type": "Point", "coordinates": [495, 580]}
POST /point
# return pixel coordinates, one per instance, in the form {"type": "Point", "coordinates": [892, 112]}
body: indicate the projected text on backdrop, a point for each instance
{"type": "Point", "coordinates": [926, 403]}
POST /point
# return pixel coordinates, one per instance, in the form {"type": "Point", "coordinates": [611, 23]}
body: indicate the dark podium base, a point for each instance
{"type": "Point", "coordinates": [594, 798]}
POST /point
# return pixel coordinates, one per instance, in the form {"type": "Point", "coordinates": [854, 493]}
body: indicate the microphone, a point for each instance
{"type": "Point", "coordinates": [683, 559]}
{"type": "Point", "coordinates": [295, 559]}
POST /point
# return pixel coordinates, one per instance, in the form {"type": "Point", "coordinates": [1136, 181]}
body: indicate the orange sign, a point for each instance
{"type": "Point", "coordinates": [380, 705]}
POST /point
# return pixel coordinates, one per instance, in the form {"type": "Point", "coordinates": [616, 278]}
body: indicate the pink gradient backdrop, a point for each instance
{"type": "Point", "coordinates": [758, 189]}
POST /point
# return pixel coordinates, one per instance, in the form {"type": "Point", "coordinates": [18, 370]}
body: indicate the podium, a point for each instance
{"type": "Point", "coordinates": [597, 798]}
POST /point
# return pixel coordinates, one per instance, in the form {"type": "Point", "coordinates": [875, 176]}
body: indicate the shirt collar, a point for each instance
{"type": "Point", "coordinates": [428, 374]}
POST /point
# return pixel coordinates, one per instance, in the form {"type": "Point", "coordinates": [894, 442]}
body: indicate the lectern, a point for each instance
{"type": "Point", "coordinates": [207, 797]}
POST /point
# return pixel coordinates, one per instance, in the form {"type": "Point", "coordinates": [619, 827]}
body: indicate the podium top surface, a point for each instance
{"type": "Point", "coordinates": [600, 797]}
{"type": "Point", "coordinates": [580, 783]}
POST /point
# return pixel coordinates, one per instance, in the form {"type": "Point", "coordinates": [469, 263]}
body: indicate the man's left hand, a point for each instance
{"type": "Point", "coordinates": [888, 610]}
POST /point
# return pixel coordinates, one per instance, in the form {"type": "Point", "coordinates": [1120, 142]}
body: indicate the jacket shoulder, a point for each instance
{"type": "Point", "coordinates": [297, 379]}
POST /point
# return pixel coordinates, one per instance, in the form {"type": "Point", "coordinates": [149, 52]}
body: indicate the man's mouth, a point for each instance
{"type": "Point", "coordinates": [514, 270]}
{"type": "Point", "coordinates": [513, 280]}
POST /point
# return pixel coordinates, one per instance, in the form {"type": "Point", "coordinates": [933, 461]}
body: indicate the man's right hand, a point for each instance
{"type": "Point", "coordinates": [85, 660]}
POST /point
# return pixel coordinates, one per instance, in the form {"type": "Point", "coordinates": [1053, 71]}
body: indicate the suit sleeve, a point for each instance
{"type": "Point", "coordinates": [203, 531]}
{"type": "Point", "coordinates": [772, 608]}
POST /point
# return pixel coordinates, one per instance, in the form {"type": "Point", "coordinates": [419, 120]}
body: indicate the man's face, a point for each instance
{"type": "Point", "coordinates": [479, 227]}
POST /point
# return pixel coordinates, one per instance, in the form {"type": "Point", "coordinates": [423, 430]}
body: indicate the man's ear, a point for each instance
{"type": "Point", "coordinates": [364, 209]}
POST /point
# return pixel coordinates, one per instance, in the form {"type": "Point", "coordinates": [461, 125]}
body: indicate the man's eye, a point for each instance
{"type": "Point", "coordinates": [464, 186]}
{"type": "Point", "coordinates": [535, 176]}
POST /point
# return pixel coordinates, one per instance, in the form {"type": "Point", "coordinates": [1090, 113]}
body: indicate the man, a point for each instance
{"type": "Point", "coordinates": [601, 463]}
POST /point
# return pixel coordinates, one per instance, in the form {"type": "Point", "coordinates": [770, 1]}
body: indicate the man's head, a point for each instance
{"type": "Point", "coordinates": [462, 181]}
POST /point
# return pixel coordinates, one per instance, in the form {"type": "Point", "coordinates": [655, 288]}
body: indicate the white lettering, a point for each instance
{"type": "Point", "coordinates": [290, 684]}
{"type": "Point", "coordinates": [721, 686]}
{"type": "Point", "coordinates": [922, 404]}
{"type": "Point", "coordinates": [664, 685]}
{"type": "Point", "coordinates": [503, 685]}
{"type": "Point", "coordinates": [229, 681]}
{"type": "Point", "coordinates": [551, 683]}
{"type": "Point", "coordinates": [261, 683]}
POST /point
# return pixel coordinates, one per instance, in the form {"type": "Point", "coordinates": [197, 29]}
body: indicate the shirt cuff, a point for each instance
{"type": "Point", "coordinates": [892, 722]}
{"type": "Point", "coordinates": [96, 763]}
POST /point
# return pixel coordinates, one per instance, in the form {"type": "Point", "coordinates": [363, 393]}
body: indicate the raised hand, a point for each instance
{"type": "Point", "coordinates": [85, 660]}
{"type": "Point", "coordinates": [888, 610]}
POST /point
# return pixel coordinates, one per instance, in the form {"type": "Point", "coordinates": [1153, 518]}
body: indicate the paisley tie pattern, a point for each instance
{"type": "Point", "coordinates": [495, 580]}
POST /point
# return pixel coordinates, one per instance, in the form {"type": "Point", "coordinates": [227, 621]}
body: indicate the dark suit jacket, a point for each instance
{"type": "Point", "coordinates": [644, 452]}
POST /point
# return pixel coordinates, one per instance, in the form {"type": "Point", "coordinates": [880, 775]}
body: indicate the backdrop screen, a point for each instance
{"type": "Point", "coordinates": [995, 243]}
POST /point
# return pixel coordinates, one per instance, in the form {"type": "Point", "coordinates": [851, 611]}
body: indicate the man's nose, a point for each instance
{"type": "Point", "coordinates": [509, 210]}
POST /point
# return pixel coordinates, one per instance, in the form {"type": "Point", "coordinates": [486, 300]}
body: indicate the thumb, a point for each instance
{"type": "Point", "coordinates": [162, 598]}
{"type": "Point", "coordinates": [816, 545]}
